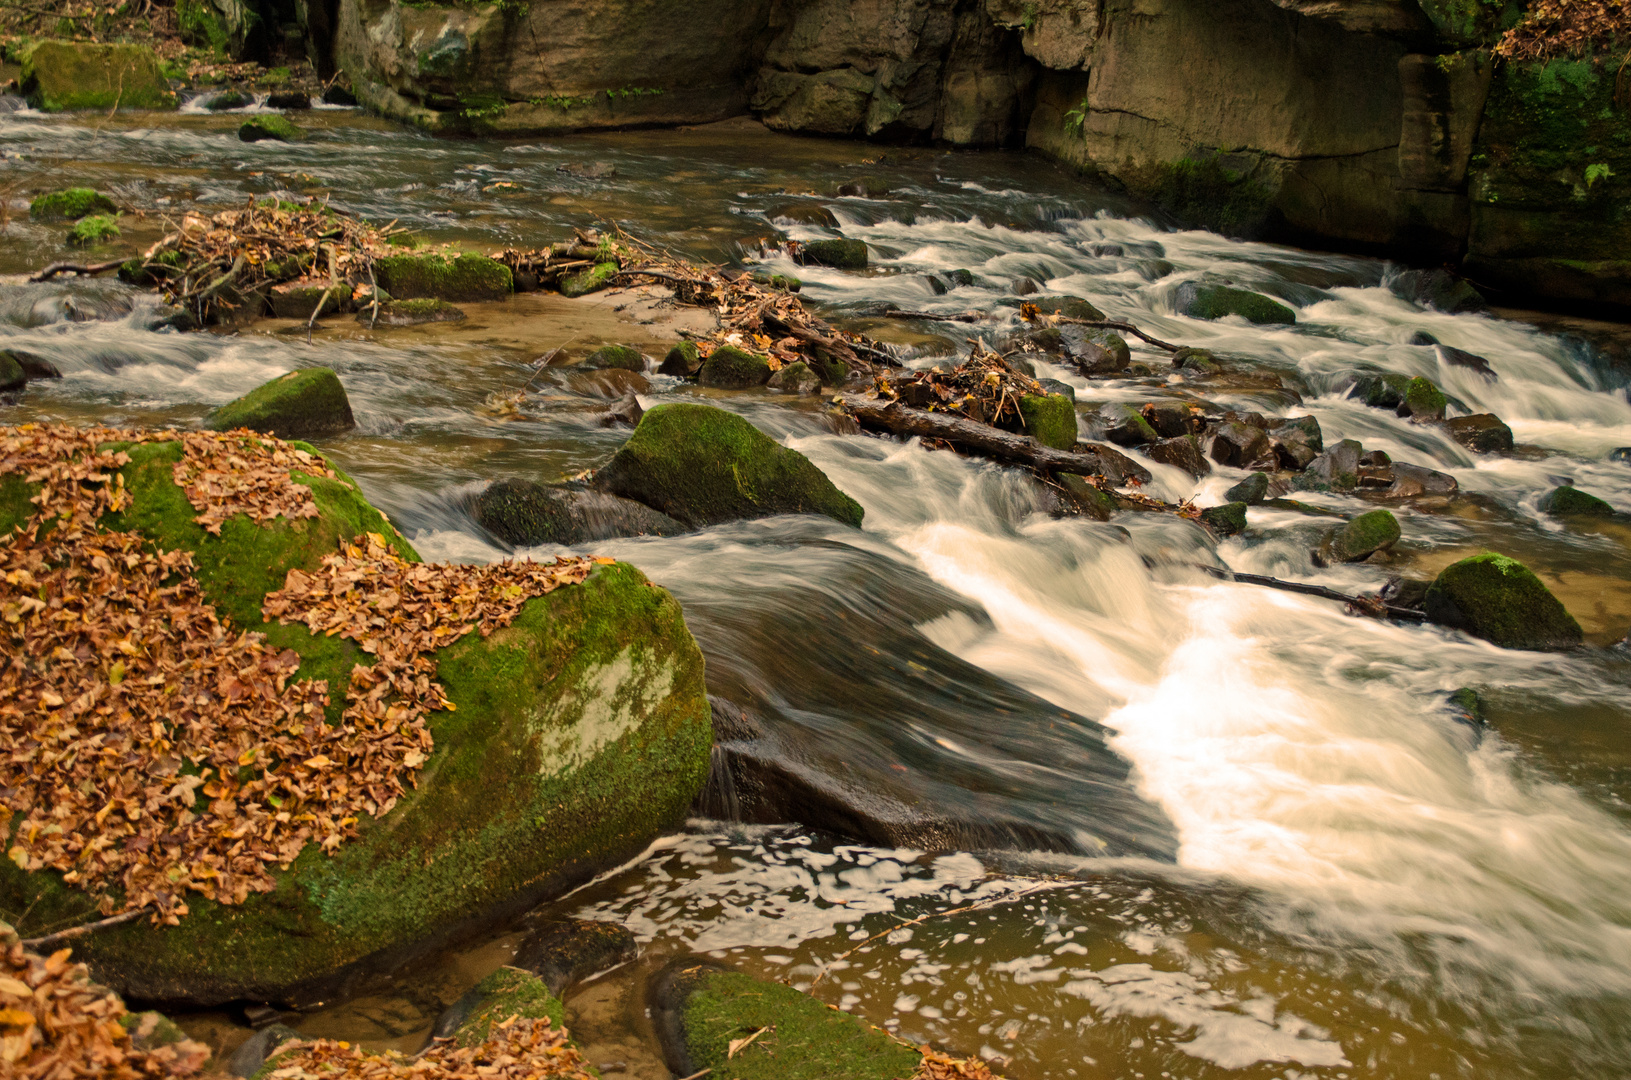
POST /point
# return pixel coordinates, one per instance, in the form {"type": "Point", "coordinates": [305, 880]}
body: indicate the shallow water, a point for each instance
{"type": "Point", "coordinates": [1307, 866]}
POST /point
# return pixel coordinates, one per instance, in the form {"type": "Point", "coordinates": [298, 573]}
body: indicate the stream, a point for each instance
{"type": "Point", "coordinates": [1276, 851]}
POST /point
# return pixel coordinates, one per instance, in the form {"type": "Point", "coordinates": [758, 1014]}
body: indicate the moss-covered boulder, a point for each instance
{"type": "Point", "coordinates": [704, 466]}
{"type": "Point", "coordinates": [1050, 419]}
{"type": "Point", "coordinates": [839, 254]}
{"type": "Point", "coordinates": [507, 992]}
{"type": "Point", "coordinates": [594, 691]}
{"type": "Point", "coordinates": [1125, 426]}
{"type": "Point", "coordinates": [795, 378]}
{"type": "Point", "coordinates": [1567, 501]}
{"type": "Point", "coordinates": [70, 204]}
{"type": "Point", "coordinates": [307, 403]}
{"type": "Point", "coordinates": [1423, 400]}
{"type": "Point", "coordinates": [1360, 538]}
{"type": "Point", "coordinates": [584, 282]}
{"type": "Point", "coordinates": [1251, 491]}
{"type": "Point", "coordinates": [730, 368]}
{"type": "Point", "coordinates": [268, 126]}
{"type": "Point", "coordinates": [701, 1009]}
{"type": "Point", "coordinates": [524, 513]}
{"type": "Point", "coordinates": [93, 230]}
{"type": "Point", "coordinates": [831, 370]}
{"type": "Point", "coordinates": [465, 279]}
{"type": "Point", "coordinates": [1071, 307]}
{"type": "Point", "coordinates": [683, 360]}
{"type": "Point", "coordinates": [410, 313]}
{"type": "Point", "coordinates": [1200, 301]}
{"type": "Point", "coordinates": [1225, 520]}
{"type": "Point", "coordinates": [12, 375]}
{"type": "Point", "coordinates": [625, 357]}
{"type": "Point", "coordinates": [61, 76]}
{"type": "Point", "coordinates": [1501, 600]}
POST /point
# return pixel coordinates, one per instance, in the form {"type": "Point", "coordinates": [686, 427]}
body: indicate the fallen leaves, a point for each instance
{"type": "Point", "coordinates": [516, 1049]}
{"type": "Point", "coordinates": [147, 749]}
{"type": "Point", "coordinates": [938, 1066]}
{"type": "Point", "coordinates": [1554, 28]}
{"type": "Point", "coordinates": [55, 1024]}
{"type": "Point", "coordinates": [985, 388]}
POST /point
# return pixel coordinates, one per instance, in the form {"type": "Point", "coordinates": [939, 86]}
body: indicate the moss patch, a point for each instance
{"type": "Point", "coordinates": [591, 280]}
{"type": "Point", "coordinates": [70, 204]}
{"type": "Point", "coordinates": [93, 230]}
{"type": "Point", "coordinates": [1205, 191]}
{"type": "Point", "coordinates": [1501, 600]}
{"type": "Point", "coordinates": [1225, 520]}
{"type": "Point", "coordinates": [1050, 419]}
{"type": "Point", "coordinates": [1568, 501]}
{"type": "Point", "coordinates": [59, 76]}
{"type": "Point", "coordinates": [1360, 538]}
{"type": "Point", "coordinates": [840, 254]}
{"type": "Point", "coordinates": [12, 375]}
{"type": "Point", "coordinates": [1423, 400]}
{"type": "Point", "coordinates": [306, 403]}
{"type": "Point", "coordinates": [704, 466]}
{"type": "Point", "coordinates": [682, 360]}
{"type": "Point", "coordinates": [467, 278]}
{"type": "Point", "coordinates": [1217, 301]}
{"type": "Point", "coordinates": [271, 126]}
{"type": "Point", "coordinates": [624, 357]}
{"type": "Point", "coordinates": [505, 993]}
{"type": "Point", "coordinates": [730, 368]}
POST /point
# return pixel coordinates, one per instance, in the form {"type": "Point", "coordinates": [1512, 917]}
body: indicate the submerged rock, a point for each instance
{"type": "Point", "coordinates": [704, 466]}
{"type": "Point", "coordinates": [411, 313]}
{"type": "Point", "coordinates": [1467, 707]}
{"type": "Point", "coordinates": [465, 279]}
{"type": "Point", "coordinates": [1568, 501]}
{"type": "Point", "coordinates": [523, 513]}
{"type": "Point", "coordinates": [1251, 491]}
{"type": "Point", "coordinates": [1359, 539]}
{"type": "Point", "coordinates": [1483, 433]}
{"type": "Point", "coordinates": [702, 1011]}
{"type": "Point", "coordinates": [1050, 419]}
{"type": "Point", "coordinates": [268, 126]}
{"type": "Point", "coordinates": [59, 76]}
{"type": "Point", "coordinates": [307, 403]}
{"type": "Point", "coordinates": [730, 368]}
{"type": "Point", "coordinates": [839, 254]}
{"type": "Point", "coordinates": [566, 951]}
{"type": "Point", "coordinates": [70, 204]}
{"type": "Point", "coordinates": [1501, 600]}
{"type": "Point", "coordinates": [1461, 358]}
{"type": "Point", "coordinates": [1200, 301]}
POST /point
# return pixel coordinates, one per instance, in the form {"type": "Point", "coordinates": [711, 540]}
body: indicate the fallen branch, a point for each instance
{"type": "Point", "coordinates": [74, 268]}
{"type": "Point", "coordinates": [1359, 604]}
{"type": "Point", "coordinates": [1124, 327]}
{"type": "Point", "coordinates": [41, 944]}
{"type": "Point", "coordinates": [1005, 446]}
{"type": "Point", "coordinates": [967, 316]}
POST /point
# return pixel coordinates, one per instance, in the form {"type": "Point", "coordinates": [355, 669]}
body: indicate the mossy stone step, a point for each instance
{"type": "Point", "coordinates": [306, 403]}
{"type": "Point", "coordinates": [268, 126]}
{"type": "Point", "coordinates": [730, 368]}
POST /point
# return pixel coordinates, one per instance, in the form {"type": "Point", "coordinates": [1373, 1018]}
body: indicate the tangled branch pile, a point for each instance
{"type": "Point", "coordinates": [1579, 28]}
{"type": "Point", "coordinates": [984, 388]}
{"type": "Point", "coordinates": [55, 1024]}
{"type": "Point", "coordinates": [141, 21]}
{"type": "Point", "coordinates": [147, 747]}
{"type": "Point", "coordinates": [516, 1049]}
{"type": "Point", "coordinates": [213, 265]}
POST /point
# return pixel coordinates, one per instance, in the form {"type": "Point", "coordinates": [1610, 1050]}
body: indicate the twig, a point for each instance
{"type": "Point", "coordinates": [698, 1075]}
{"type": "Point", "coordinates": [967, 316]}
{"type": "Point", "coordinates": [74, 268]}
{"type": "Point", "coordinates": [373, 295]}
{"type": "Point", "coordinates": [316, 311]}
{"type": "Point", "coordinates": [40, 943]}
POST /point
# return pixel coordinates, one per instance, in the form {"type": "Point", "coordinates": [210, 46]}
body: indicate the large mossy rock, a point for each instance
{"type": "Point", "coordinates": [1568, 501]}
{"type": "Point", "coordinates": [1360, 538]}
{"type": "Point", "coordinates": [705, 466]}
{"type": "Point", "coordinates": [60, 76]}
{"type": "Point", "coordinates": [700, 1009]}
{"type": "Point", "coordinates": [1216, 301]}
{"type": "Point", "coordinates": [466, 279]}
{"type": "Point", "coordinates": [839, 254]}
{"type": "Point", "coordinates": [594, 692]}
{"type": "Point", "coordinates": [1501, 600]}
{"type": "Point", "coordinates": [730, 368]}
{"type": "Point", "coordinates": [304, 404]}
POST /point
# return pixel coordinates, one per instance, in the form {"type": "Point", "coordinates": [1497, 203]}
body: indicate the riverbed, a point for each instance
{"type": "Point", "coordinates": [1286, 857]}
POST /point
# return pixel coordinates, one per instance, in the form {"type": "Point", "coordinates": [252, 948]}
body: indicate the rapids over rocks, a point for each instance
{"type": "Point", "coordinates": [1252, 838]}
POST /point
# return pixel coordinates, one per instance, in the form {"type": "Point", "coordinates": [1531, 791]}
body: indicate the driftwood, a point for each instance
{"type": "Point", "coordinates": [74, 268]}
{"type": "Point", "coordinates": [1359, 604]}
{"type": "Point", "coordinates": [1088, 460]}
{"type": "Point", "coordinates": [1050, 320]}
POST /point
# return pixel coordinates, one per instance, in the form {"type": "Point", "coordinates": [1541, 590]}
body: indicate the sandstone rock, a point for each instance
{"type": "Point", "coordinates": [526, 514]}
{"type": "Point", "coordinates": [803, 213]}
{"type": "Point", "coordinates": [304, 404]}
{"type": "Point", "coordinates": [1437, 289]}
{"type": "Point", "coordinates": [563, 952]}
{"type": "Point", "coordinates": [1337, 469]}
{"type": "Point", "coordinates": [1297, 442]}
{"type": "Point", "coordinates": [1461, 358]}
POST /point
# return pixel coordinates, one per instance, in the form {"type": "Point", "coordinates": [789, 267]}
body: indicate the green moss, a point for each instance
{"type": "Point", "coordinates": [268, 126]}
{"type": "Point", "coordinates": [70, 204]}
{"type": "Point", "coordinates": [15, 507]}
{"type": "Point", "coordinates": [1360, 538]}
{"type": "Point", "coordinates": [1470, 22]}
{"type": "Point", "coordinates": [703, 466]}
{"type": "Point", "coordinates": [300, 404]}
{"type": "Point", "coordinates": [1225, 520]}
{"type": "Point", "coordinates": [1501, 600]}
{"type": "Point", "coordinates": [465, 279]}
{"type": "Point", "coordinates": [616, 356]}
{"type": "Point", "coordinates": [201, 27]}
{"type": "Point", "coordinates": [1050, 419]}
{"type": "Point", "coordinates": [1468, 706]}
{"type": "Point", "coordinates": [591, 280]}
{"type": "Point", "coordinates": [1072, 307]}
{"type": "Point", "coordinates": [1568, 501]}
{"type": "Point", "coordinates": [228, 100]}
{"type": "Point", "coordinates": [1125, 426]}
{"type": "Point", "coordinates": [829, 369]}
{"type": "Point", "coordinates": [93, 230]}
{"type": "Point", "coordinates": [1204, 191]}
{"type": "Point", "coordinates": [785, 283]}
{"type": "Point", "coordinates": [1423, 400]}
{"type": "Point", "coordinates": [730, 368]}
{"type": "Point", "coordinates": [683, 360]}
{"type": "Point", "coordinates": [805, 1039]}
{"type": "Point", "coordinates": [840, 254]}
{"type": "Point", "coordinates": [59, 76]}
{"type": "Point", "coordinates": [505, 993]}
{"type": "Point", "coordinates": [12, 376]}
{"type": "Point", "coordinates": [1113, 344]}
{"type": "Point", "coordinates": [1216, 301]}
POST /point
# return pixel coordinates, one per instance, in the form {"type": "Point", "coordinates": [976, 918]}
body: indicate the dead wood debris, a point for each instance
{"type": "Point", "coordinates": [516, 1049]}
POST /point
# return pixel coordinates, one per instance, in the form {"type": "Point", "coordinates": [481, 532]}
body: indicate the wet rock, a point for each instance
{"type": "Point", "coordinates": [683, 361]}
{"type": "Point", "coordinates": [12, 376]}
{"type": "Point", "coordinates": [33, 365]}
{"type": "Point", "coordinates": [1460, 358]}
{"type": "Point", "coordinates": [1422, 337]}
{"type": "Point", "coordinates": [935, 285]}
{"type": "Point", "coordinates": [1569, 501]}
{"type": "Point", "coordinates": [704, 466]}
{"type": "Point", "coordinates": [1402, 480]}
{"type": "Point", "coordinates": [959, 278]}
{"type": "Point", "coordinates": [803, 213]}
{"type": "Point", "coordinates": [268, 126]}
{"type": "Point", "coordinates": [227, 100]}
{"type": "Point", "coordinates": [297, 300]}
{"type": "Point", "coordinates": [523, 513]}
{"type": "Point", "coordinates": [304, 404]}
{"type": "Point", "coordinates": [1422, 400]}
{"type": "Point", "coordinates": [1050, 419]}
{"type": "Point", "coordinates": [1071, 307]}
{"type": "Point", "coordinates": [248, 1059]}
{"type": "Point", "coordinates": [1171, 421]}
{"type": "Point", "coordinates": [1251, 491]}
{"type": "Point", "coordinates": [1337, 469]}
{"type": "Point", "coordinates": [1183, 452]}
{"type": "Point", "coordinates": [1484, 433]}
{"type": "Point", "coordinates": [1467, 707]}
{"type": "Point", "coordinates": [1200, 301]}
{"type": "Point", "coordinates": [1086, 498]}
{"type": "Point", "coordinates": [1112, 345]}
{"type": "Point", "coordinates": [411, 313]}
{"type": "Point", "coordinates": [584, 282]}
{"type": "Point", "coordinates": [60, 76]}
{"type": "Point", "coordinates": [785, 283]}
{"type": "Point", "coordinates": [508, 992]}
{"type": "Point", "coordinates": [1379, 390]}
{"type": "Point", "coordinates": [701, 1010]}
{"type": "Point", "coordinates": [608, 384]}
{"type": "Point", "coordinates": [1054, 386]}
{"type": "Point", "coordinates": [589, 170]}
{"type": "Point", "coordinates": [289, 99]}
{"type": "Point", "coordinates": [70, 204]}
{"type": "Point", "coordinates": [1226, 520]}
{"type": "Point", "coordinates": [1359, 539]}
{"type": "Point", "coordinates": [1196, 361]}
{"type": "Point", "coordinates": [465, 279]}
{"type": "Point", "coordinates": [625, 412]}
{"type": "Point", "coordinates": [1125, 425]}
{"type": "Point", "coordinates": [1025, 286]}
{"type": "Point", "coordinates": [625, 357]}
{"type": "Point", "coordinates": [839, 254]}
{"type": "Point", "coordinates": [567, 951]}
{"type": "Point", "coordinates": [1296, 442]}
{"type": "Point", "coordinates": [730, 368]}
{"type": "Point", "coordinates": [1502, 601]}
{"type": "Point", "coordinates": [833, 371]}
{"type": "Point", "coordinates": [1620, 453]}
{"type": "Point", "coordinates": [1437, 289]}
{"type": "Point", "coordinates": [1239, 445]}
{"type": "Point", "coordinates": [796, 378]}
{"type": "Point", "coordinates": [339, 95]}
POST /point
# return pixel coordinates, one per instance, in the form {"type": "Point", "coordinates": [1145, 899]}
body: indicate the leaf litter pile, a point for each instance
{"type": "Point", "coordinates": [55, 1024]}
{"type": "Point", "coordinates": [985, 388]}
{"type": "Point", "coordinates": [515, 1049]}
{"type": "Point", "coordinates": [149, 748]}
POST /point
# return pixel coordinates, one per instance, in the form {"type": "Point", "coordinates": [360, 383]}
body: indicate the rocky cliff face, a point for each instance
{"type": "Point", "coordinates": [1376, 124]}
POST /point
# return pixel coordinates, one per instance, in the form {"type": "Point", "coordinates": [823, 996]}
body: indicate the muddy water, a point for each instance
{"type": "Point", "coordinates": [1313, 868]}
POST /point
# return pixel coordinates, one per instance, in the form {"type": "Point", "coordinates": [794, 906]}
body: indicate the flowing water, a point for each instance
{"type": "Point", "coordinates": [1274, 851]}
